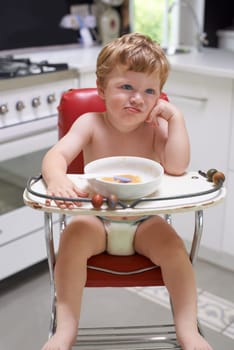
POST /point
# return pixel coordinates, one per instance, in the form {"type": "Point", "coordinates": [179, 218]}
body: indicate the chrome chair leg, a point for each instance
{"type": "Point", "coordinates": [62, 222]}
{"type": "Point", "coordinates": [198, 229]}
{"type": "Point", "coordinates": [168, 218]}
{"type": "Point", "coordinates": [49, 238]}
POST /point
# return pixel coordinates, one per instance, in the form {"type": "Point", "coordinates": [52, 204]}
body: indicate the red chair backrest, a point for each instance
{"type": "Point", "coordinates": [73, 104]}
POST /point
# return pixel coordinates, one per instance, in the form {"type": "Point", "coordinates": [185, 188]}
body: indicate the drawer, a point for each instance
{"type": "Point", "coordinates": [228, 236]}
{"type": "Point", "coordinates": [21, 254]}
{"type": "Point", "coordinates": [187, 86]}
{"type": "Point", "coordinates": [206, 104]}
{"type": "Point", "coordinates": [18, 223]}
{"type": "Point", "coordinates": [231, 161]}
{"type": "Point", "coordinates": [24, 252]}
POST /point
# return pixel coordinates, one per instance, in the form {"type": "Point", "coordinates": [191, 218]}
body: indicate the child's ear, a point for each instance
{"type": "Point", "coordinates": [100, 90]}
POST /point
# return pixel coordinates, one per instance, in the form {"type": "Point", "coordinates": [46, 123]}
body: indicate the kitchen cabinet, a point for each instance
{"type": "Point", "coordinates": [228, 232]}
{"type": "Point", "coordinates": [231, 160]}
{"type": "Point", "coordinates": [25, 247]}
{"type": "Point", "coordinates": [228, 239]}
{"type": "Point", "coordinates": [206, 105]}
{"type": "Point", "coordinates": [206, 102]}
{"type": "Point", "coordinates": [27, 129]}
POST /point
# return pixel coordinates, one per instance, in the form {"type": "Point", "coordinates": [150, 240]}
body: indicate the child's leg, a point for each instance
{"type": "Point", "coordinates": [159, 241]}
{"type": "Point", "coordinates": [83, 237]}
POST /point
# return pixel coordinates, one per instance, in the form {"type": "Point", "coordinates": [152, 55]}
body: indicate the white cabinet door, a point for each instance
{"type": "Point", "coordinates": [231, 160]}
{"type": "Point", "coordinates": [228, 239]}
{"type": "Point", "coordinates": [22, 241]}
{"type": "Point", "coordinates": [206, 104]}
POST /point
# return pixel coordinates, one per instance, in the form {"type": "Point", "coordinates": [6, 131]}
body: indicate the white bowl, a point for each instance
{"type": "Point", "coordinates": [149, 172]}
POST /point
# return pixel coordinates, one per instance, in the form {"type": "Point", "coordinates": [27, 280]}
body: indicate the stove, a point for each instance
{"type": "Point", "coordinates": [11, 67]}
{"type": "Point", "coordinates": [29, 95]}
{"type": "Point", "coordinates": [30, 92]}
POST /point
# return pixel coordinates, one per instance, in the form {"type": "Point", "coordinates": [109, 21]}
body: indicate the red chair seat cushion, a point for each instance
{"type": "Point", "coordinates": [126, 264]}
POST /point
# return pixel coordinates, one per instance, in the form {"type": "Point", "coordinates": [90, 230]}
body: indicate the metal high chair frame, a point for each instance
{"type": "Point", "coordinates": [113, 271]}
{"type": "Point", "coordinates": [135, 337]}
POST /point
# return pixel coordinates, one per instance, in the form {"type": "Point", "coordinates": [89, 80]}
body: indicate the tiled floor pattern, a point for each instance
{"type": "Point", "coordinates": [213, 312]}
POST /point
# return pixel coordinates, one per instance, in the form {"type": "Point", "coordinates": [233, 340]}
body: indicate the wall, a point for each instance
{"type": "Point", "coordinates": [26, 23]}
{"type": "Point", "coordinates": [218, 15]}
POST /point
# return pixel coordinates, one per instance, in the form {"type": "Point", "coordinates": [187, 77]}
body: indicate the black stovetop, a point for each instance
{"type": "Point", "coordinates": [11, 67]}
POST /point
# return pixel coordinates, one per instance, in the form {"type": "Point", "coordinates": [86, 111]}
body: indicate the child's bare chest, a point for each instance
{"type": "Point", "coordinates": [138, 143]}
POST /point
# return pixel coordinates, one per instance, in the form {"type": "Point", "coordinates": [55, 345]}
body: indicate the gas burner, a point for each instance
{"type": "Point", "coordinates": [11, 67]}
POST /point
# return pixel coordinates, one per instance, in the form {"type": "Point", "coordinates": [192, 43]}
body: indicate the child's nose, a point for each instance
{"type": "Point", "coordinates": [136, 98]}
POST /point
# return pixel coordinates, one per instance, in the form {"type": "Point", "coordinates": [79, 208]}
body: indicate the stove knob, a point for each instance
{"type": "Point", "coordinates": [36, 102]}
{"type": "Point", "coordinates": [19, 106]}
{"type": "Point", "coordinates": [3, 109]}
{"type": "Point", "coordinates": [51, 98]}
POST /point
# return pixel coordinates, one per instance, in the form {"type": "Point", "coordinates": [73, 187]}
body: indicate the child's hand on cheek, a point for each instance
{"type": "Point", "coordinates": [162, 109]}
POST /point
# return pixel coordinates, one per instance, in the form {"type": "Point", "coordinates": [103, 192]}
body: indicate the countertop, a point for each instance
{"type": "Point", "coordinates": [210, 61]}
{"type": "Point", "coordinates": [81, 58]}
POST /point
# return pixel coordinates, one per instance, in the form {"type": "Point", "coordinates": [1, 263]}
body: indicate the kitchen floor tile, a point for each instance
{"type": "Point", "coordinates": [216, 313]}
{"type": "Point", "coordinates": [213, 312]}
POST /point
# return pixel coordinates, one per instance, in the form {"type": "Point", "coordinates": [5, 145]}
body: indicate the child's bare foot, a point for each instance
{"type": "Point", "coordinates": [59, 341]}
{"type": "Point", "coordinates": [193, 341]}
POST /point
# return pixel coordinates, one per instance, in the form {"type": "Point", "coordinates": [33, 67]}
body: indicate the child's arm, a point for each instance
{"type": "Point", "coordinates": [57, 159]}
{"type": "Point", "coordinates": [174, 151]}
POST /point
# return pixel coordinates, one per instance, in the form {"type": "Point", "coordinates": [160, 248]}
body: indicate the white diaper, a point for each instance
{"type": "Point", "coordinates": [120, 235]}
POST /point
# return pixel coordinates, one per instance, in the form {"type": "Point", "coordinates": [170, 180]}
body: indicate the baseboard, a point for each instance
{"type": "Point", "coordinates": [215, 257]}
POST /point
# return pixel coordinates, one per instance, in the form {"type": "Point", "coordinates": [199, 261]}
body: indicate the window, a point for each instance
{"type": "Point", "coordinates": [170, 22]}
{"type": "Point", "coordinates": [150, 17]}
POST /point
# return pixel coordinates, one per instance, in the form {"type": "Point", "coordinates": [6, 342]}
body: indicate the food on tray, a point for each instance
{"type": "Point", "coordinates": [123, 178]}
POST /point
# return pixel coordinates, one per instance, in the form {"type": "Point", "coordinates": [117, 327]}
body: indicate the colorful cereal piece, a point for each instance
{"type": "Point", "coordinates": [122, 179]}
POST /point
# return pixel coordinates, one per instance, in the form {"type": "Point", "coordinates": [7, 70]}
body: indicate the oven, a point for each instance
{"type": "Point", "coordinates": [29, 95]}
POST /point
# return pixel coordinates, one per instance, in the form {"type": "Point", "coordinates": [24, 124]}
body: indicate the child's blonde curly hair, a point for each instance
{"type": "Point", "coordinates": [135, 51]}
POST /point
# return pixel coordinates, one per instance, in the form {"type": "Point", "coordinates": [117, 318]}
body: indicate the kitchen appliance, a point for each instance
{"type": "Point", "coordinates": [29, 95]}
{"type": "Point", "coordinates": [109, 20]}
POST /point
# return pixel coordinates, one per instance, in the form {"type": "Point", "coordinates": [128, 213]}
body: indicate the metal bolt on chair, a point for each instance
{"type": "Point", "coordinates": [106, 270]}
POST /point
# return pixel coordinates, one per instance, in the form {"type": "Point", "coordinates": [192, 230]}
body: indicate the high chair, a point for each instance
{"type": "Point", "coordinates": [106, 270]}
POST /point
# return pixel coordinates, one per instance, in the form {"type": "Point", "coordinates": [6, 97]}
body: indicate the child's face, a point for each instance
{"type": "Point", "coordinates": [130, 97]}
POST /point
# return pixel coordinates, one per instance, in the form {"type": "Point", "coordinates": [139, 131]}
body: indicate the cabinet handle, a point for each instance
{"type": "Point", "coordinates": [188, 98]}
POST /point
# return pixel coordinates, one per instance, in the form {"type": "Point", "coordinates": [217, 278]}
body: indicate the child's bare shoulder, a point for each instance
{"type": "Point", "coordinates": [87, 118]}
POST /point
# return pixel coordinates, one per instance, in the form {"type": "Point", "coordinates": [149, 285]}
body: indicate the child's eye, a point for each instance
{"type": "Point", "coordinates": [150, 91]}
{"type": "Point", "coordinates": [127, 87]}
